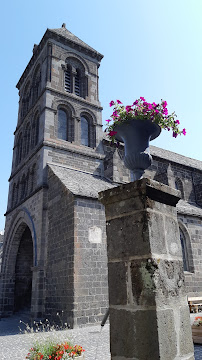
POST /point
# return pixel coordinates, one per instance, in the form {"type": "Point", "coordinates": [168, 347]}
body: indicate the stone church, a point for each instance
{"type": "Point", "coordinates": [54, 251]}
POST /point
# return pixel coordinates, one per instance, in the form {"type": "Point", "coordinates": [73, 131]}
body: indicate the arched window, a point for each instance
{"type": "Point", "coordinates": [62, 125]}
{"type": "Point", "coordinates": [77, 89]}
{"type": "Point", "coordinates": [13, 200]}
{"type": "Point", "coordinates": [35, 131]}
{"type": "Point", "coordinates": [26, 99]}
{"type": "Point", "coordinates": [75, 79]}
{"type": "Point", "coordinates": [179, 186]}
{"type": "Point", "coordinates": [84, 131]}
{"type": "Point", "coordinates": [32, 179]}
{"type": "Point", "coordinates": [184, 251]}
{"type": "Point", "coordinates": [36, 84]}
{"type": "Point", "coordinates": [23, 188]}
{"type": "Point", "coordinates": [27, 139]}
{"type": "Point", "coordinates": [19, 148]}
{"type": "Point", "coordinates": [88, 137]}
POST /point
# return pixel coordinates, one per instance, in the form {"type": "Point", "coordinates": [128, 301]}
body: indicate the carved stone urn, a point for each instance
{"type": "Point", "coordinates": [136, 134]}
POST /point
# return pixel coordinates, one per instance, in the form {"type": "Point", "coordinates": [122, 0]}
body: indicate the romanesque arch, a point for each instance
{"type": "Point", "coordinates": [20, 255]}
{"type": "Point", "coordinates": [23, 272]}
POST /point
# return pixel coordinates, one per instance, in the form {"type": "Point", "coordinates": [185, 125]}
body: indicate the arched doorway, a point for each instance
{"type": "Point", "coordinates": [23, 272]}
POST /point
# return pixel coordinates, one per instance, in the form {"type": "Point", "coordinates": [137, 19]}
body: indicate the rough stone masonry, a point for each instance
{"type": "Point", "coordinates": [149, 315]}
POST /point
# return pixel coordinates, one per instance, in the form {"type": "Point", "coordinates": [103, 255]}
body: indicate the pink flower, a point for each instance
{"type": "Point", "coordinates": [108, 120]}
{"type": "Point", "coordinates": [142, 98]}
{"type": "Point", "coordinates": [128, 108]}
{"type": "Point", "coordinates": [112, 133]}
{"type": "Point", "coordinates": [184, 132]}
{"type": "Point", "coordinates": [111, 103]}
{"type": "Point", "coordinates": [135, 102]}
{"type": "Point", "coordinates": [164, 104]}
{"type": "Point", "coordinates": [174, 134]}
{"type": "Point", "coordinates": [115, 114]}
{"type": "Point", "coordinates": [149, 106]}
{"type": "Point", "coordinates": [118, 102]}
{"type": "Point", "coordinates": [165, 111]}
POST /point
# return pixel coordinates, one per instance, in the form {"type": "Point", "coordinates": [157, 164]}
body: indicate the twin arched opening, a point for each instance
{"type": "Point", "coordinates": [66, 127]}
{"type": "Point", "coordinates": [75, 80]}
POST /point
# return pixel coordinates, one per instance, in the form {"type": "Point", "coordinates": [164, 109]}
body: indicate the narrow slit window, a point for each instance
{"type": "Point", "coordinates": [62, 125]}
{"type": "Point", "coordinates": [84, 131]}
{"type": "Point", "coordinates": [77, 84]}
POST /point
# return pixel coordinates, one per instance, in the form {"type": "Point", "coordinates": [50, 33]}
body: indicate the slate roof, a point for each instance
{"type": "Point", "coordinates": [177, 158]}
{"type": "Point", "coordinates": [81, 183]}
{"type": "Point", "coordinates": [184, 207]}
{"type": "Point", "coordinates": [69, 36]}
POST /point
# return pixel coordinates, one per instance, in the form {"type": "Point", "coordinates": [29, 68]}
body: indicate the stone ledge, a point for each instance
{"type": "Point", "coordinates": [145, 187]}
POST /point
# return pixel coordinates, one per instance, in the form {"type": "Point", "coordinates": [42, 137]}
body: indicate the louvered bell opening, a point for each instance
{"type": "Point", "coordinates": [67, 81]}
{"type": "Point", "coordinates": [77, 84]}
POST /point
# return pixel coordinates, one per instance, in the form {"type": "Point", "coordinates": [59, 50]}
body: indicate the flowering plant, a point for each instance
{"type": "Point", "coordinates": [48, 351]}
{"type": "Point", "coordinates": [198, 321]}
{"type": "Point", "coordinates": [141, 109]}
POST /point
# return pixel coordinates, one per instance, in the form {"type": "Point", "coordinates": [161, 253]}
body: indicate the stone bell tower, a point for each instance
{"type": "Point", "coordinates": [58, 136]}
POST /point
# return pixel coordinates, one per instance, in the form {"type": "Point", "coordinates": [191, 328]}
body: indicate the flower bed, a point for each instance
{"type": "Point", "coordinates": [47, 350]}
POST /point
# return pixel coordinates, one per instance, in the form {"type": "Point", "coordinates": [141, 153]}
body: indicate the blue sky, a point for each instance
{"type": "Point", "coordinates": [151, 49]}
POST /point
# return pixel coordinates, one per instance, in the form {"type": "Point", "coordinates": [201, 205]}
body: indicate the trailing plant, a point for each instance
{"type": "Point", "coordinates": [142, 110]}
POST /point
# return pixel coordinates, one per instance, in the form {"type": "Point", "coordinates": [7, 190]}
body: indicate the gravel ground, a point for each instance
{"type": "Point", "coordinates": [15, 346]}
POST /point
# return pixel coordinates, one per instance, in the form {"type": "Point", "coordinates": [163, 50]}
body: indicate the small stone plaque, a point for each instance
{"type": "Point", "coordinates": [95, 235]}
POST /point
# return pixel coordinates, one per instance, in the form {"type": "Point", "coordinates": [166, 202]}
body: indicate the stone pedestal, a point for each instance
{"type": "Point", "coordinates": [149, 315]}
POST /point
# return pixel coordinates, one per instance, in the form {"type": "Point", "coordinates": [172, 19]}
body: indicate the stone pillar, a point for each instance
{"type": "Point", "coordinates": [149, 315]}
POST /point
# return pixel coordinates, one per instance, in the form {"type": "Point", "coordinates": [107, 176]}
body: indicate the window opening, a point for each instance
{"type": "Point", "coordinates": [184, 251]}
{"type": "Point", "coordinates": [84, 131]}
{"type": "Point", "coordinates": [62, 125]}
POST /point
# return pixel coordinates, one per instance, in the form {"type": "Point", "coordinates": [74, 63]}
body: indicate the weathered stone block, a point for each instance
{"type": "Point", "coordinates": [156, 232]}
{"type": "Point", "coordinates": [142, 282]}
{"type": "Point", "coordinates": [167, 334]}
{"type": "Point", "coordinates": [185, 335]}
{"type": "Point", "coordinates": [134, 334]}
{"type": "Point", "coordinates": [124, 236]}
{"type": "Point", "coordinates": [117, 278]}
{"type": "Point", "coordinates": [173, 236]}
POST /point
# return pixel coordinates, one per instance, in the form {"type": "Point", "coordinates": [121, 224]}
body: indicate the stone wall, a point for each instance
{"type": "Point", "coordinates": [90, 267]}
{"type": "Point", "coordinates": [60, 252]}
{"type": "Point", "coordinates": [76, 269]}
